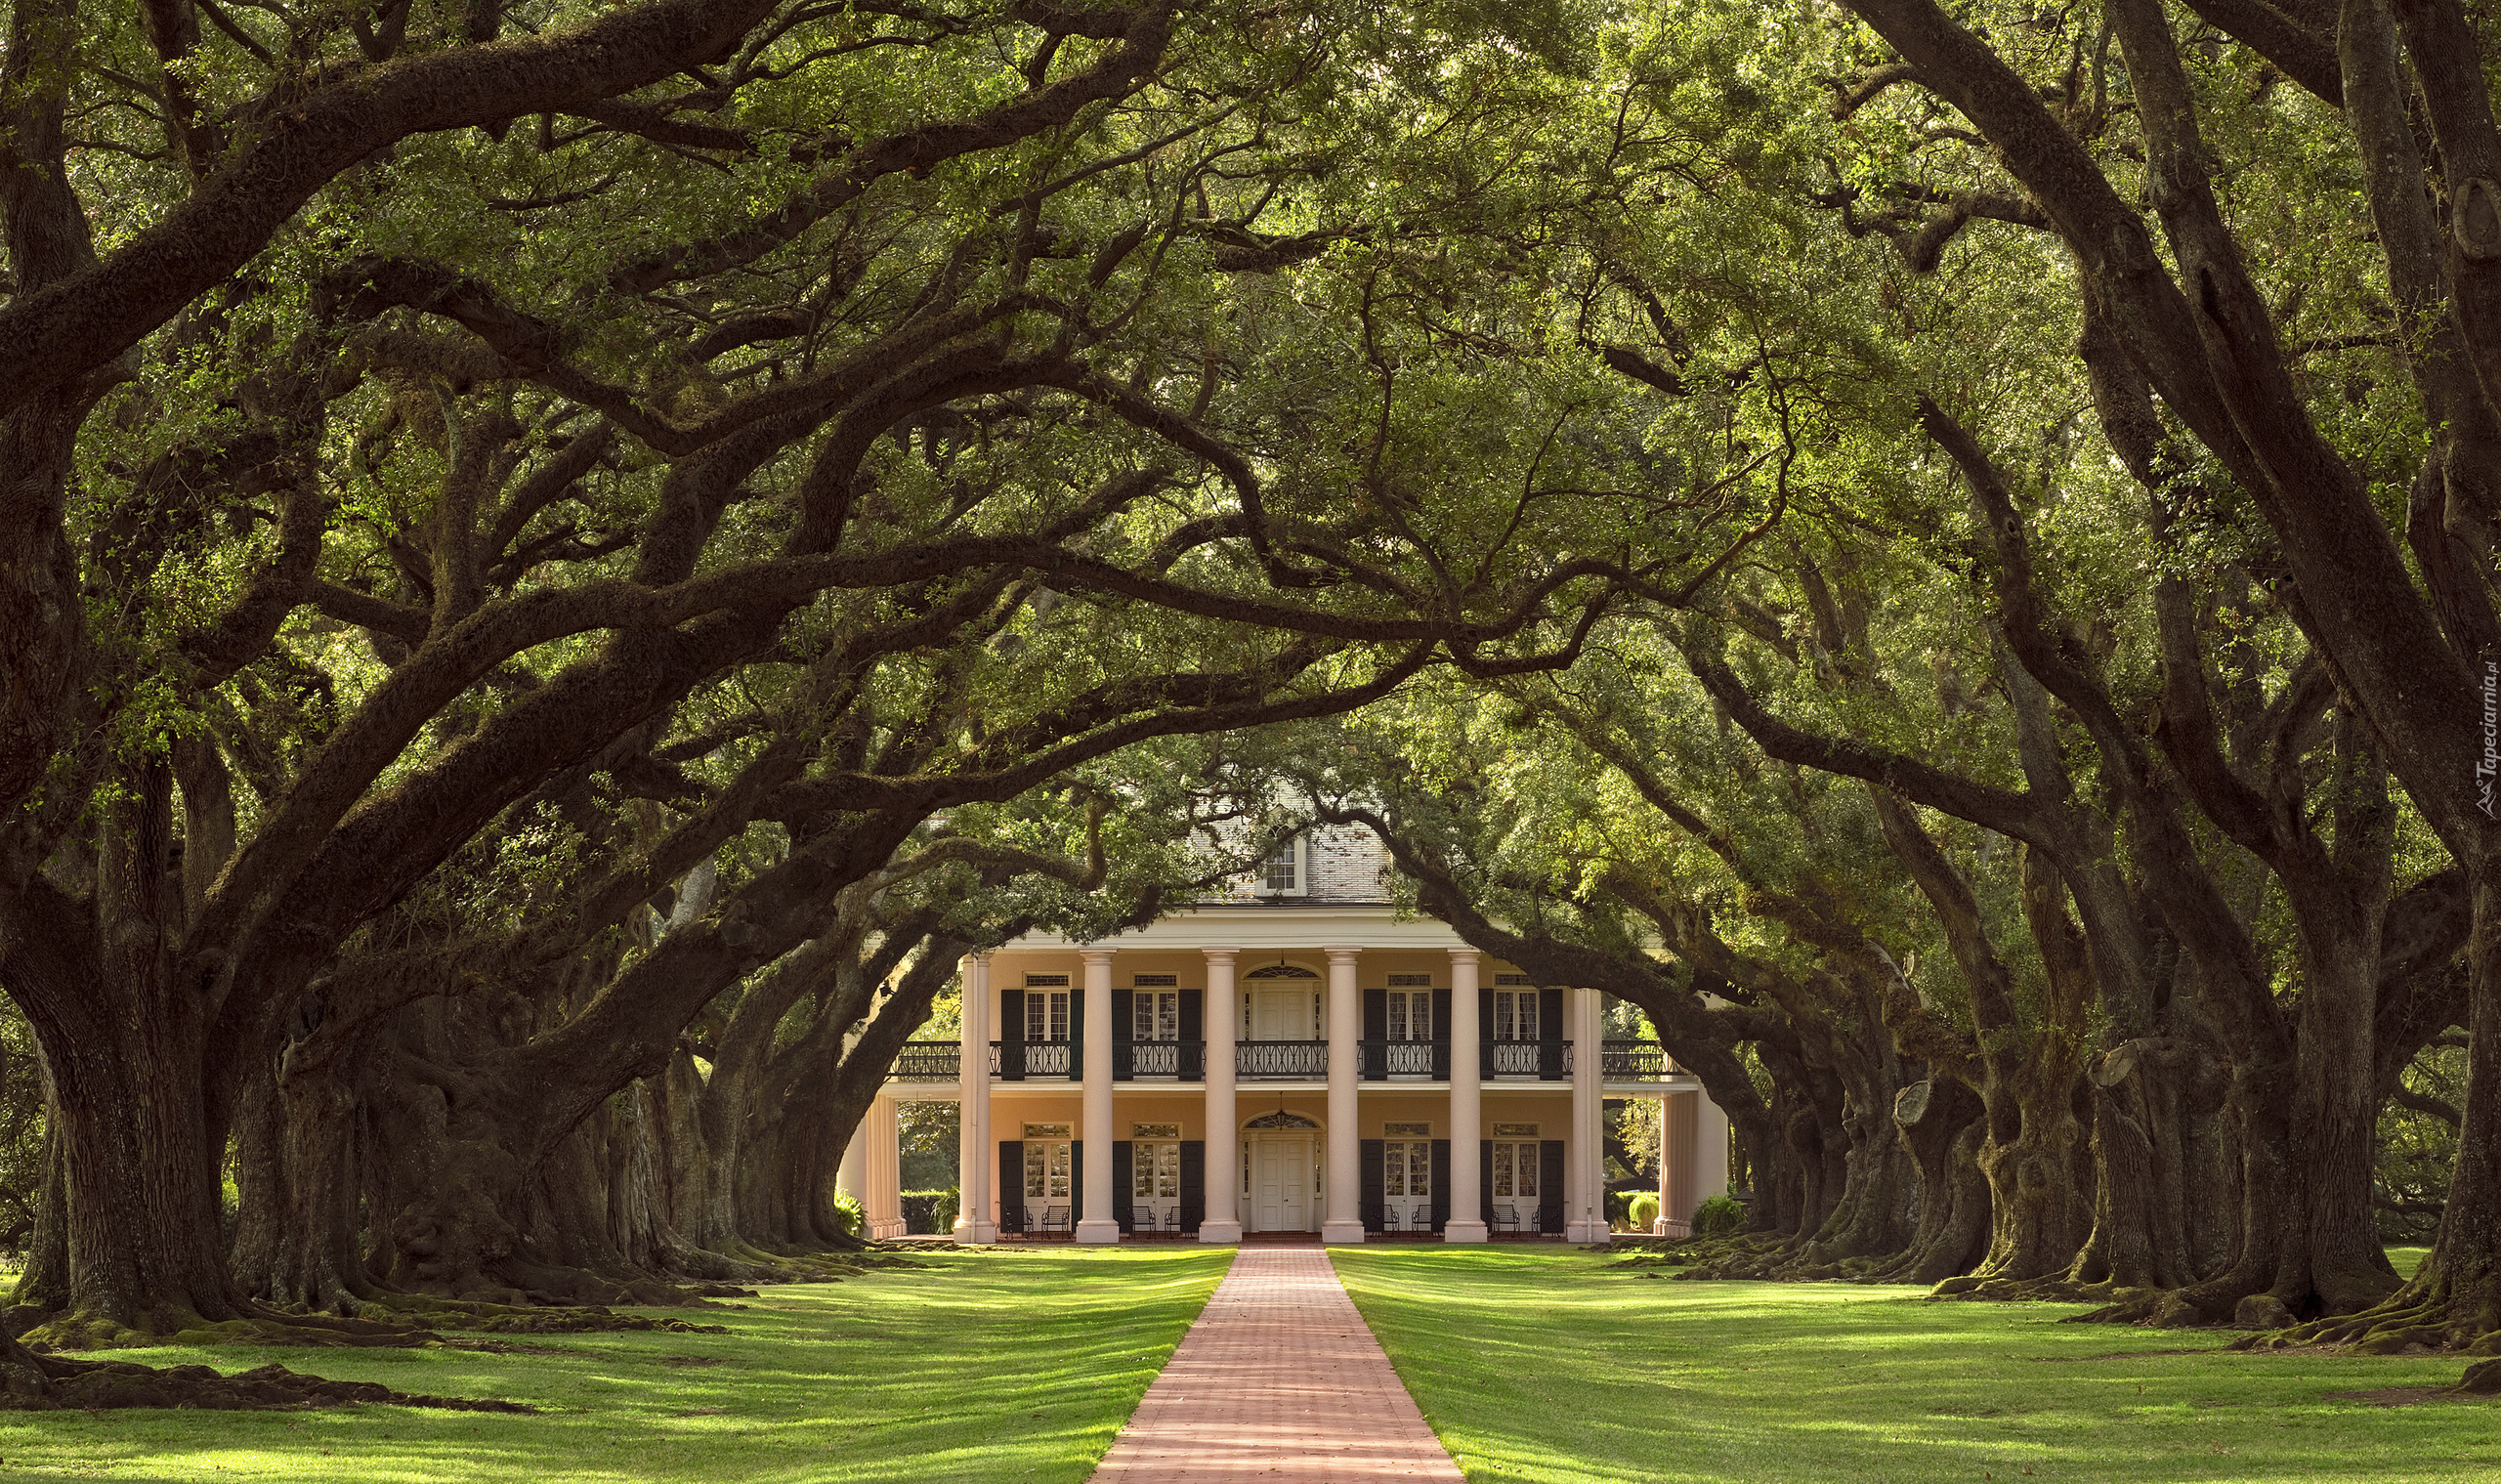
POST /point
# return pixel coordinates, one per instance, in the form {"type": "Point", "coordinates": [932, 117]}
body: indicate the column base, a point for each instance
{"type": "Point", "coordinates": [886, 1229]}
{"type": "Point", "coordinates": [1341, 1233]}
{"type": "Point", "coordinates": [974, 1233]}
{"type": "Point", "coordinates": [1221, 1233]}
{"type": "Point", "coordinates": [1465, 1231]}
{"type": "Point", "coordinates": [1588, 1233]}
{"type": "Point", "coordinates": [1098, 1231]}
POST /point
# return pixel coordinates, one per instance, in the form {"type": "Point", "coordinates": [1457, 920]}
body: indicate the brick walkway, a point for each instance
{"type": "Point", "coordinates": [1279, 1381]}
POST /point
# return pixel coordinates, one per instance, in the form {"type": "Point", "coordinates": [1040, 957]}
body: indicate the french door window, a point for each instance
{"type": "Point", "coordinates": [1515, 1016]}
{"type": "Point", "coordinates": [1047, 1169]}
{"type": "Point", "coordinates": [1156, 1015]}
{"type": "Point", "coordinates": [1411, 1015]}
{"type": "Point", "coordinates": [1155, 1171]}
{"type": "Point", "coordinates": [1047, 1015]}
{"type": "Point", "coordinates": [1514, 1170]}
{"type": "Point", "coordinates": [1406, 1168]}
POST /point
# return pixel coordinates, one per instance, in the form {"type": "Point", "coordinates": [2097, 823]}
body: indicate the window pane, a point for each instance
{"type": "Point", "coordinates": [1168, 1169]}
{"type": "Point", "coordinates": [1034, 1186]}
{"type": "Point", "coordinates": [1059, 1017]}
{"type": "Point", "coordinates": [1281, 867]}
{"type": "Point", "coordinates": [1501, 1170]}
{"type": "Point", "coordinates": [1420, 1169]}
{"type": "Point", "coordinates": [1393, 1170]}
{"type": "Point", "coordinates": [1528, 1169]}
{"type": "Point", "coordinates": [1033, 1022]}
{"type": "Point", "coordinates": [1397, 1016]}
{"type": "Point", "coordinates": [1167, 1015]}
{"type": "Point", "coordinates": [1142, 1018]}
{"type": "Point", "coordinates": [1142, 1170]}
{"type": "Point", "coordinates": [1528, 1015]}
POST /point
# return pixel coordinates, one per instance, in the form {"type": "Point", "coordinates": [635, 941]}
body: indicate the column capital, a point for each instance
{"type": "Point", "coordinates": [1220, 954]}
{"type": "Point", "coordinates": [1465, 956]}
{"type": "Point", "coordinates": [1338, 954]}
{"type": "Point", "coordinates": [1093, 957]}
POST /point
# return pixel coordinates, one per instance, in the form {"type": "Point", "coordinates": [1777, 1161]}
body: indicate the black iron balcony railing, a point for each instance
{"type": "Point", "coordinates": [1042, 1058]}
{"type": "Point", "coordinates": [1634, 1061]}
{"type": "Point", "coordinates": [1424, 1059]}
{"type": "Point", "coordinates": [1281, 1058]}
{"type": "Point", "coordinates": [1185, 1060]}
{"type": "Point", "coordinates": [928, 1061]}
{"type": "Point", "coordinates": [1547, 1059]}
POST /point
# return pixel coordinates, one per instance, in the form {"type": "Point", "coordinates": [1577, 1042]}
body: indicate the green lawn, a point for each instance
{"type": "Point", "coordinates": [1009, 1369]}
{"type": "Point", "coordinates": [1549, 1366]}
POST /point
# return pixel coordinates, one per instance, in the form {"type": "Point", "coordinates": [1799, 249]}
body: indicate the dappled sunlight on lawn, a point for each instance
{"type": "Point", "coordinates": [1017, 1366]}
{"type": "Point", "coordinates": [1553, 1367]}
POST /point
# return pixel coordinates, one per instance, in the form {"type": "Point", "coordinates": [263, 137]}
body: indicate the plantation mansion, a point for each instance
{"type": "Point", "coordinates": [1290, 1058]}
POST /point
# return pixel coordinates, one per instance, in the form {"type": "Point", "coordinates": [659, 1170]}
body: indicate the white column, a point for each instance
{"type": "Point", "coordinates": [1710, 1149]}
{"type": "Point", "coordinates": [883, 1162]}
{"type": "Point", "coordinates": [1466, 1109]}
{"type": "Point", "coordinates": [1584, 1188]}
{"type": "Point", "coordinates": [851, 1176]}
{"type": "Point", "coordinates": [1219, 1016]}
{"type": "Point", "coordinates": [1667, 1168]}
{"type": "Point", "coordinates": [976, 1156]}
{"type": "Point", "coordinates": [1676, 1157]}
{"type": "Point", "coordinates": [1344, 1221]}
{"type": "Point", "coordinates": [1098, 1224]}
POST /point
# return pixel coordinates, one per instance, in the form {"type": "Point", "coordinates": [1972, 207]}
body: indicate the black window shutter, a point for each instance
{"type": "Point", "coordinates": [1485, 1044]}
{"type": "Point", "coordinates": [1124, 1031]}
{"type": "Point", "coordinates": [1441, 1035]}
{"type": "Point", "coordinates": [1193, 1047]}
{"type": "Point", "coordinates": [1373, 1200]}
{"type": "Point", "coordinates": [1124, 1210]}
{"type": "Point", "coordinates": [1549, 1185]}
{"type": "Point", "coordinates": [1549, 1032]}
{"type": "Point", "coordinates": [1076, 1183]}
{"type": "Point", "coordinates": [1375, 1061]}
{"type": "Point", "coordinates": [1076, 1034]}
{"type": "Point", "coordinates": [1011, 1186]}
{"type": "Point", "coordinates": [1194, 1182]}
{"type": "Point", "coordinates": [1441, 1180]}
{"type": "Point", "coordinates": [1011, 1035]}
{"type": "Point", "coordinates": [1485, 1179]}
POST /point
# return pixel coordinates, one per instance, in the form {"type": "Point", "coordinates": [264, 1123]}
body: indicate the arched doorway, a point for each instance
{"type": "Point", "coordinates": [1281, 1184]}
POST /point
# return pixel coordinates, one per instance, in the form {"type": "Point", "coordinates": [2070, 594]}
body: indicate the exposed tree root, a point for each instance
{"type": "Point", "coordinates": [34, 1382]}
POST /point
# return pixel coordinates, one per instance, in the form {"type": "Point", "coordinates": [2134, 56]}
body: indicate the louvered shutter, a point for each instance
{"type": "Point", "coordinates": [1441, 1038]}
{"type": "Point", "coordinates": [1194, 1040]}
{"type": "Point", "coordinates": [1123, 1034]}
{"type": "Point", "coordinates": [1549, 1034]}
{"type": "Point", "coordinates": [1123, 1205]}
{"type": "Point", "coordinates": [1194, 1183]}
{"type": "Point", "coordinates": [1075, 1035]}
{"type": "Point", "coordinates": [1374, 1159]}
{"type": "Point", "coordinates": [1376, 1055]}
{"type": "Point", "coordinates": [1549, 1185]}
{"type": "Point", "coordinates": [1485, 1181]}
{"type": "Point", "coordinates": [1011, 1035]}
{"type": "Point", "coordinates": [1011, 1185]}
{"type": "Point", "coordinates": [1076, 1182]}
{"type": "Point", "coordinates": [1485, 1041]}
{"type": "Point", "coordinates": [1441, 1181]}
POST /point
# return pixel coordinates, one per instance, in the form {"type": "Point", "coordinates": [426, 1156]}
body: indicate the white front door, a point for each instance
{"type": "Point", "coordinates": [1281, 1185]}
{"type": "Point", "coordinates": [1284, 1015]}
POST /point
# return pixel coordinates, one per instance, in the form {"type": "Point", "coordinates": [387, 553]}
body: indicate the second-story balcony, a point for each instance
{"type": "Point", "coordinates": [1619, 1061]}
{"type": "Point", "coordinates": [1634, 1061]}
{"type": "Point", "coordinates": [1275, 1060]}
{"type": "Point", "coordinates": [1548, 1060]}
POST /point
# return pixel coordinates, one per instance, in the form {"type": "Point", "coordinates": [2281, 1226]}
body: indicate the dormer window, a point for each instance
{"type": "Point", "coordinates": [1286, 871]}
